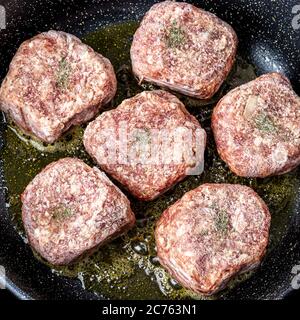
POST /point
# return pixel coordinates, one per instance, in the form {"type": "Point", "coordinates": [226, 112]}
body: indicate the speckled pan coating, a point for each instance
{"type": "Point", "coordinates": [257, 127]}
{"type": "Point", "coordinates": [32, 92]}
{"type": "Point", "coordinates": [211, 234]}
{"type": "Point", "coordinates": [277, 49]}
{"type": "Point", "coordinates": [70, 209]}
{"type": "Point", "coordinates": [199, 64]}
{"type": "Point", "coordinates": [146, 111]}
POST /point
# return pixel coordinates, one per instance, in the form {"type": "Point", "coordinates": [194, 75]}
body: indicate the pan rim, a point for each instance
{"type": "Point", "coordinates": [22, 292]}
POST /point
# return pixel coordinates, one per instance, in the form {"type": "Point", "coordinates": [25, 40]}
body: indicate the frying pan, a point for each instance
{"type": "Point", "coordinates": [269, 39]}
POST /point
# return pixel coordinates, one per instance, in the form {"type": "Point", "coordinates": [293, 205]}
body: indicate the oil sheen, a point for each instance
{"type": "Point", "coordinates": [128, 267]}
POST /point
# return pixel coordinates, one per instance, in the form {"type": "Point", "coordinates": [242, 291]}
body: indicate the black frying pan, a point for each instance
{"type": "Point", "coordinates": [269, 40]}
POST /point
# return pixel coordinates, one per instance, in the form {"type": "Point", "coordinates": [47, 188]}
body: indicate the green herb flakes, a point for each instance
{"type": "Point", "coordinates": [221, 220]}
{"type": "Point", "coordinates": [264, 123]}
{"type": "Point", "coordinates": [61, 213]}
{"type": "Point", "coordinates": [142, 137]}
{"type": "Point", "coordinates": [175, 36]}
{"type": "Point", "coordinates": [63, 74]}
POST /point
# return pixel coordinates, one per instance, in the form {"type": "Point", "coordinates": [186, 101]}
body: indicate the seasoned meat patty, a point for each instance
{"type": "Point", "coordinates": [70, 209]}
{"type": "Point", "coordinates": [211, 234]}
{"type": "Point", "coordinates": [257, 127]}
{"type": "Point", "coordinates": [148, 143]}
{"type": "Point", "coordinates": [55, 81]}
{"type": "Point", "coordinates": [184, 48]}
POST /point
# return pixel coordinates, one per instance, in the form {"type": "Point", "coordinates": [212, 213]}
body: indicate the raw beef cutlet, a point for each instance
{"type": "Point", "coordinates": [184, 48]}
{"type": "Point", "coordinates": [70, 209]}
{"type": "Point", "coordinates": [257, 127]}
{"type": "Point", "coordinates": [55, 81]}
{"type": "Point", "coordinates": [142, 144]}
{"type": "Point", "coordinates": [211, 234]}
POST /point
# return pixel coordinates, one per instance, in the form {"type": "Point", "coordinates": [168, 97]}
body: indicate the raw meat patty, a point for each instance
{"type": "Point", "coordinates": [139, 143]}
{"type": "Point", "coordinates": [70, 209]}
{"type": "Point", "coordinates": [257, 127]}
{"type": "Point", "coordinates": [211, 234]}
{"type": "Point", "coordinates": [184, 48]}
{"type": "Point", "coordinates": [55, 81]}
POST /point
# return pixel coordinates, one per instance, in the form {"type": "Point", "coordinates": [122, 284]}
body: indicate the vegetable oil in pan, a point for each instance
{"type": "Point", "coordinates": [128, 267]}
